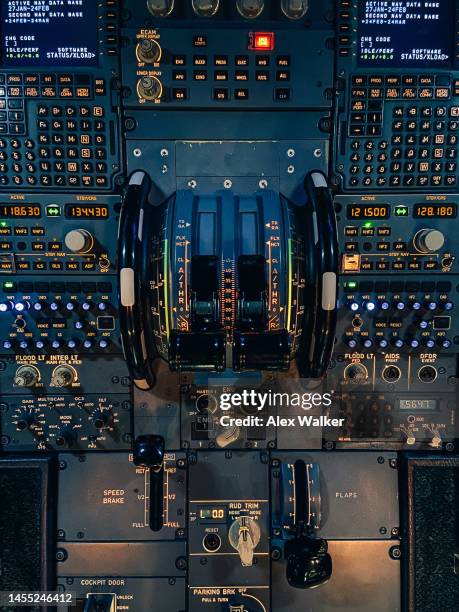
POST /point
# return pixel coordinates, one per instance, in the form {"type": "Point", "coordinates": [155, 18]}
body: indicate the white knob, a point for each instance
{"type": "Point", "coordinates": [79, 241]}
{"type": "Point", "coordinates": [429, 240]}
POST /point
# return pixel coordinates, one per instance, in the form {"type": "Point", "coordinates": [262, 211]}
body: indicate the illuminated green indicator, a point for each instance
{"type": "Point", "coordinates": [3, 224]}
{"type": "Point", "coordinates": [368, 224]}
{"type": "Point", "coordinates": [401, 211]}
{"type": "Point", "coordinates": [351, 285]}
{"type": "Point", "coordinates": [8, 285]}
{"type": "Point", "coordinates": [53, 211]}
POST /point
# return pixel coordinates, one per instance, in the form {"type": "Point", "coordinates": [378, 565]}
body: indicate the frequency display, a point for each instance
{"type": "Point", "coordinates": [405, 33]}
{"type": "Point", "coordinates": [36, 33]}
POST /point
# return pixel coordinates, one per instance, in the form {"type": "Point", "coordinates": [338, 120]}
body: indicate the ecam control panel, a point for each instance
{"type": "Point", "coordinates": [240, 209]}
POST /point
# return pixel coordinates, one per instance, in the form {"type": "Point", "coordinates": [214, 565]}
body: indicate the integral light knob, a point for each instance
{"type": "Point", "coordinates": [244, 535]}
{"type": "Point", "coordinates": [149, 88]}
{"type": "Point", "coordinates": [205, 8]}
{"type": "Point", "coordinates": [429, 240]}
{"type": "Point", "coordinates": [79, 241]}
{"type": "Point", "coordinates": [295, 9]}
{"type": "Point", "coordinates": [26, 376]}
{"type": "Point", "coordinates": [63, 376]}
{"type": "Point", "coordinates": [160, 8]}
{"type": "Point", "coordinates": [149, 51]}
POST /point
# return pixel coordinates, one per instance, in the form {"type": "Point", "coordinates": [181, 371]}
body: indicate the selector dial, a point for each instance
{"type": "Point", "coordinates": [63, 376]}
{"type": "Point", "coordinates": [79, 241]}
{"type": "Point", "coordinates": [160, 8]}
{"type": "Point", "coordinates": [26, 376]}
{"type": "Point", "coordinates": [250, 8]}
{"type": "Point", "coordinates": [149, 88]}
{"type": "Point", "coordinates": [429, 240]}
{"type": "Point", "coordinates": [67, 436]}
{"type": "Point", "coordinates": [295, 9]}
{"type": "Point", "coordinates": [149, 51]}
{"type": "Point", "coordinates": [205, 8]}
{"type": "Point", "coordinates": [25, 421]}
{"type": "Point", "coordinates": [244, 535]}
{"type": "Point", "coordinates": [102, 418]}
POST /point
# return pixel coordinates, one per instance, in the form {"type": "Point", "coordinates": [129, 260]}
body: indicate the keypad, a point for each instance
{"type": "Point", "coordinates": [69, 148]}
{"type": "Point", "coordinates": [55, 131]}
{"type": "Point", "coordinates": [403, 131]}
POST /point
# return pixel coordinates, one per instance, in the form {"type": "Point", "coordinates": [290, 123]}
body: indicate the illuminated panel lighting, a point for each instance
{"type": "Point", "coordinates": [261, 41]}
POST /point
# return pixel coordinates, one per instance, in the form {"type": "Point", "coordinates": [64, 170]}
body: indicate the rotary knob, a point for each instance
{"type": "Point", "coordinates": [160, 8]}
{"type": "Point", "coordinates": [244, 536]}
{"type": "Point", "coordinates": [67, 436]}
{"type": "Point", "coordinates": [102, 418]}
{"type": "Point", "coordinates": [26, 421]}
{"type": "Point", "coordinates": [250, 8]}
{"type": "Point", "coordinates": [295, 9]}
{"type": "Point", "coordinates": [149, 51]}
{"type": "Point", "coordinates": [63, 376]}
{"type": "Point", "coordinates": [429, 240]}
{"type": "Point", "coordinates": [26, 376]}
{"type": "Point", "coordinates": [205, 8]}
{"type": "Point", "coordinates": [79, 241]}
{"type": "Point", "coordinates": [149, 88]}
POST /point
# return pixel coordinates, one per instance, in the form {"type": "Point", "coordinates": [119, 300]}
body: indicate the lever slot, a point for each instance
{"type": "Point", "coordinates": [148, 452]}
{"type": "Point", "coordinates": [252, 292]}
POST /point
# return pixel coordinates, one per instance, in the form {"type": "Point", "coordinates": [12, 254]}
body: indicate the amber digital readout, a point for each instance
{"type": "Point", "coordinates": [78, 211]}
{"type": "Point", "coordinates": [368, 211]}
{"type": "Point", "coordinates": [435, 211]}
{"type": "Point", "coordinates": [20, 211]}
{"type": "Point", "coordinates": [212, 514]}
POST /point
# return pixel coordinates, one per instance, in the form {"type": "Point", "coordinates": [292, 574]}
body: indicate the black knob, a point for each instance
{"type": "Point", "coordinates": [102, 418]}
{"type": "Point", "coordinates": [26, 421]}
{"type": "Point", "coordinates": [308, 562]}
{"type": "Point", "coordinates": [67, 436]}
{"type": "Point", "coordinates": [149, 451]}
